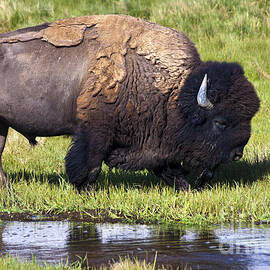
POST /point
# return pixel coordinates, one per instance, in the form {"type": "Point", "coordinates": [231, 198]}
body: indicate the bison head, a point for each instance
{"type": "Point", "coordinates": [217, 104]}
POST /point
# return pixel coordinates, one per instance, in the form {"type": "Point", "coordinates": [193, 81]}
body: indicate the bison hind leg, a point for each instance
{"type": "Point", "coordinates": [3, 136]}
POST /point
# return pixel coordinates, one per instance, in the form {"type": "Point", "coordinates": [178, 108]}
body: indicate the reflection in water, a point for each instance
{"type": "Point", "coordinates": [211, 248]}
{"type": "Point", "coordinates": [47, 241]}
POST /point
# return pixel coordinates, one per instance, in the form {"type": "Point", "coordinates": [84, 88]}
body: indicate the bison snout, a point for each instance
{"type": "Point", "coordinates": [237, 154]}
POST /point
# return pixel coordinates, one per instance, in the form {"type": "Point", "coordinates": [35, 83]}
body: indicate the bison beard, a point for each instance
{"type": "Point", "coordinates": [137, 95]}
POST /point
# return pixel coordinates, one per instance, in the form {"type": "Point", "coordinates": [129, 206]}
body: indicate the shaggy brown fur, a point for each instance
{"type": "Point", "coordinates": [131, 89]}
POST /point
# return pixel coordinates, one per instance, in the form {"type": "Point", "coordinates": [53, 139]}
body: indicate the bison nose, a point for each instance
{"type": "Point", "coordinates": [237, 154]}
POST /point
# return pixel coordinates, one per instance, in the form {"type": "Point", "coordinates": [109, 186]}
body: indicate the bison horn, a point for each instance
{"type": "Point", "coordinates": [202, 99]}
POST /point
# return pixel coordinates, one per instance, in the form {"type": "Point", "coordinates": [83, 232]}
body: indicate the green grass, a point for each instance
{"type": "Point", "coordinates": [240, 191]}
{"type": "Point", "coordinates": [9, 263]}
{"type": "Point", "coordinates": [221, 30]}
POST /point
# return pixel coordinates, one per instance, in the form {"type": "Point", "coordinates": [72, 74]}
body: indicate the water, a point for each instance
{"type": "Point", "coordinates": [217, 247]}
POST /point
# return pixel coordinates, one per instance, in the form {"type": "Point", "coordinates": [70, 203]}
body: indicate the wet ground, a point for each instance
{"type": "Point", "coordinates": [216, 247]}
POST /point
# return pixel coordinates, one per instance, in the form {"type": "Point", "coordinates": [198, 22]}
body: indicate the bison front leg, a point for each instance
{"type": "Point", "coordinates": [3, 136]}
{"type": "Point", "coordinates": [84, 158]}
{"type": "Point", "coordinates": [174, 176]}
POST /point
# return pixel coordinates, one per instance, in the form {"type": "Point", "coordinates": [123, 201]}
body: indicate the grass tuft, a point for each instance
{"type": "Point", "coordinates": [9, 263]}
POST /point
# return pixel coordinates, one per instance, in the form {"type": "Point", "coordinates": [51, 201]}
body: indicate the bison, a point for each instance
{"type": "Point", "coordinates": [132, 93]}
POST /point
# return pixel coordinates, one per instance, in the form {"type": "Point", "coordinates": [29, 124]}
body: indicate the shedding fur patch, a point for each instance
{"type": "Point", "coordinates": [67, 32]}
{"type": "Point", "coordinates": [17, 37]}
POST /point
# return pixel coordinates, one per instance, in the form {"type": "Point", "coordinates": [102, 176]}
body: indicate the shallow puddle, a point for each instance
{"type": "Point", "coordinates": [217, 247]}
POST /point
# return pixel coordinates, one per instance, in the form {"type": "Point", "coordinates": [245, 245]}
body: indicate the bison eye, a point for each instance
{"type": "Point", "coordinates": [220, 123]}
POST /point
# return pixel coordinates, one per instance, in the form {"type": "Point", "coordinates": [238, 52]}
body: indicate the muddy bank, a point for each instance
{"type": "Point", "coordinates": [86, 216]}
{"type": "Point", "coordinates": [92, 216]}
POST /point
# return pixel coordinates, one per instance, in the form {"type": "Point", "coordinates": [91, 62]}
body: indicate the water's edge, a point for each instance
{"type": "Point", "coordinates": [212, 247]}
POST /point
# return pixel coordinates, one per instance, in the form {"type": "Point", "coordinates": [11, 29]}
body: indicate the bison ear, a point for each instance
{"type": "Point", "coordinates": [202, 99]}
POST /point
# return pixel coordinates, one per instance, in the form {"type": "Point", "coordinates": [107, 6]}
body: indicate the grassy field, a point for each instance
{"type": "Point", "coordinates": [221, 30]}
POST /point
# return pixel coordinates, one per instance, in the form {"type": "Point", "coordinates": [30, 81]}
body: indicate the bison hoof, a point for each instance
{"type": "Point", "coordinates": [182, 185]}
{"type": "Point", "coordinates": [87, 187]}
{"type": "Point", "coordinates": [203, 179]}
